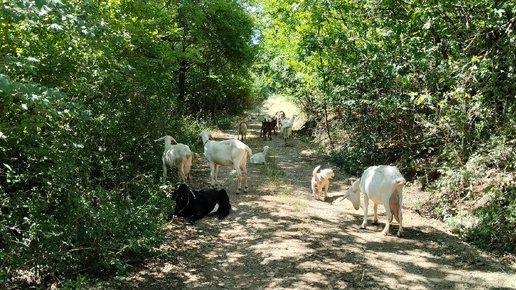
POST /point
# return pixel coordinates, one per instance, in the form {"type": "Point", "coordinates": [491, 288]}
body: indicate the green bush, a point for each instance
{"type": "Point", "coordinates": [496, 227]}
{"type": "Point", "coordinates": [353, 157]}
{"type": "Point", "coordinates": [98, 232]}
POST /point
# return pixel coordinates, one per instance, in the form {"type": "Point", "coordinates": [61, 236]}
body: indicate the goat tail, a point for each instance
{"type": "Point", "coordinates": [189, 160]}
{"type": "Point", "coordinates": [314, 173]}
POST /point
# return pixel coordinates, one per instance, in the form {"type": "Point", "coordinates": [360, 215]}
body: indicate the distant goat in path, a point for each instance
{"type": "Point", "coordinates": [286, 128]}
{"type": "Point", "coordinates": [242, 128]}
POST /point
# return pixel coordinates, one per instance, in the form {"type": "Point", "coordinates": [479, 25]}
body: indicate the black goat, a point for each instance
{"type": "Point", "coordinates": [195, 204]}
{"type": "Point", "coordinates": [267, 128]}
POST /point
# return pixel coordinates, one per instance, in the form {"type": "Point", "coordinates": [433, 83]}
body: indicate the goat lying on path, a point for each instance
{"type": "Point", "coordinates": [226, 153]}
{"type": "Point", "coordinates": [259, 158]}
{"type": "Point", "coordinates": [383, 185]}
{"type": "Point", "coordinates": [195, 204]}
{"type": "Point", "coordinates": [178, 156]}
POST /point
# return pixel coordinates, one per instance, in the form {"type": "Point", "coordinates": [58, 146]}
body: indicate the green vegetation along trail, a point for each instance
{"type": "Point", "coordinates": [278, 237]}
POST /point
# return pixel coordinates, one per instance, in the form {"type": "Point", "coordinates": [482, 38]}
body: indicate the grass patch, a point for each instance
{"type": "Point", "coordinates": [275, 180]}
{"type": "Point", "coordinates": [273, 175]}
{"type": "Point", "coordinates": [300, 206]}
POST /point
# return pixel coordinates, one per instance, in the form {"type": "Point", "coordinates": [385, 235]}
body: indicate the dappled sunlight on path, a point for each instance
{"type": "Point", "coordinates": [278, 237]}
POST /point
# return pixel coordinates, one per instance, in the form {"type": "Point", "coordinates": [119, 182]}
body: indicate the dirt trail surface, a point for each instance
{"type": "Point", "coordinates": [278, 237]}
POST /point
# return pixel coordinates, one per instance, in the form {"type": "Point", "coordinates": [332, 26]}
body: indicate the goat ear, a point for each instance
{"type": "Point", "coordinates": [174, 140]}
{"type": "Point", "coordinates": [160, 139]}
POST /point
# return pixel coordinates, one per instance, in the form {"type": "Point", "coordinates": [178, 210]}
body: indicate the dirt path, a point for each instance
{"type": "Point", "coordinates": [278, 237]}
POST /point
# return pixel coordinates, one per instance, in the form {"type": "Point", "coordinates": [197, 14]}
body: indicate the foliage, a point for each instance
{"type": "Point", "coordinates": [425, 85]}
{"type": "Point", "coordinates": [86, 86]}
{"type": "Point", "coordinates": [478, 199]}
{"type": "Point", "coordinates": [499, 216]}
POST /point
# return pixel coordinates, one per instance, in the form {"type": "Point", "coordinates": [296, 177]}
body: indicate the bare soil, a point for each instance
{"type": "Point", "coordinates": [279, 237]}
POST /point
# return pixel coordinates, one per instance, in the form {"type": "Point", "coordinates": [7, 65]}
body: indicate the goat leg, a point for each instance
{"type": "Point", "coordinates": [239, 187]}
{"type": "Point", "coordinates": [245, 178]}
{"type": "Point", "coordinates": [366, 205]}
{"type": "Point", "coordinates": [375, 219]}
{"type": "Point", "coordinates": [389, 215]}
{"type": "Point", "coordinates": [388, 223]}
{"type": "Point", "coordinates": [164, 174]}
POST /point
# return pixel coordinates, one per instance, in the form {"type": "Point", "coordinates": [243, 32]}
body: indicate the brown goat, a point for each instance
{"type": "Point", "coordinates": [280, 115]}
{"type": "Point", "coordinates": [242, 130]}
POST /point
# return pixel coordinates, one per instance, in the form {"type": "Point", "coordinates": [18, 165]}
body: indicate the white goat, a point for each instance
{"type": "Point", "coordinates": [383, 185]}
{"type": "Point", "coordinates": [259, 158]}
{"type": "Point", "coordinates": [178, 156]}
{"type": "Point", "coordinates": [286, 128]}
{"type": "Point", "coordinates": [226, 153]}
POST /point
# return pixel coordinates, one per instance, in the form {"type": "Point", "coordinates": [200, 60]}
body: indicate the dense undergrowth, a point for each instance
{"type": "Point", "coordinates": [425, 85]}
{"type": "Point", "coordinates": [477, 199]}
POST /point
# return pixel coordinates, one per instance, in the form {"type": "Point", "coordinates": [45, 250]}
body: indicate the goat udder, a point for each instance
{"type": "Point", "coordinates": [394, 205]}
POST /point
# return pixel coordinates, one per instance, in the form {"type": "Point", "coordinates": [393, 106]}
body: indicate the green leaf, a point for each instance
{"type": "Point", "coordinates": [5, 84]}
{"type": "Point", "coordinates": [40, 3]}
{"type": "Point", "coordinates": [8, 167]}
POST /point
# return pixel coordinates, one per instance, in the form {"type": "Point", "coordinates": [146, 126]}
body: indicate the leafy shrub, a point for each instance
{"type": "Point", "coordinates": [224, 122]}
{"type": "Point", "coordinates": [91, 233]}
{"type": "Point", "coordinates": [353, 158]}
{"type": "Point", "coordinates": [496, 228]}
{"type": "Point", "coordinates": [83, 98]}
{"type": "Point", "coordinates": [489, 226]}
